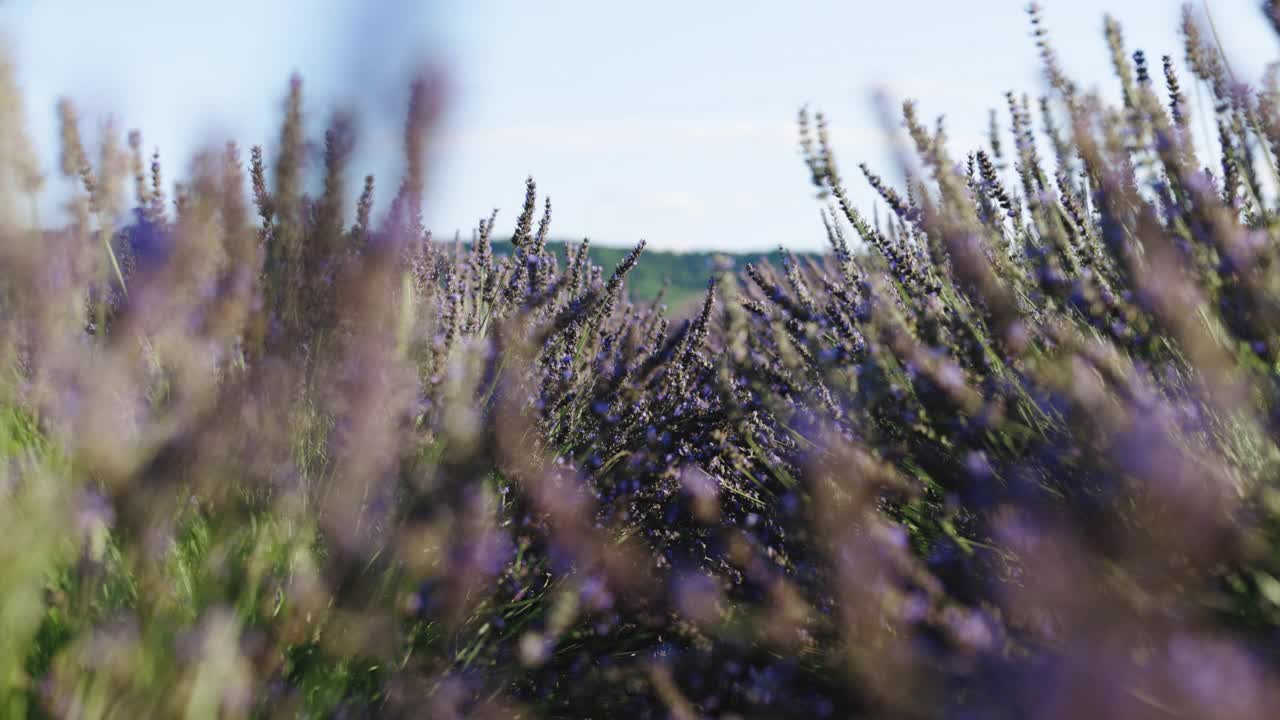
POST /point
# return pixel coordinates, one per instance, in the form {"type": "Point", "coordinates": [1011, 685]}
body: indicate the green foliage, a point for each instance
{"type": "Point", "coordinates": [683, 274]}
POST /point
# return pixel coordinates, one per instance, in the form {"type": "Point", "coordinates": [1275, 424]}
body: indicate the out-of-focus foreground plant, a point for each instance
{"type": "Point", "coordinates": [1009, 453]}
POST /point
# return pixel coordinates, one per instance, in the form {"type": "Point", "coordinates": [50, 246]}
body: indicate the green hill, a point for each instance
{"type": "Point", "coordinates": [687, 272]}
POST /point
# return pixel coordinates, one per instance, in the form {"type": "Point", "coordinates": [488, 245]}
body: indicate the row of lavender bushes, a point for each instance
{"type": "Point", "coordinates": [1010, 453]}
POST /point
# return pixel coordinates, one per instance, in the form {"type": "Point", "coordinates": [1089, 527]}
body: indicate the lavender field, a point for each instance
{"type": "Point", "coordinates": [1010, 448]}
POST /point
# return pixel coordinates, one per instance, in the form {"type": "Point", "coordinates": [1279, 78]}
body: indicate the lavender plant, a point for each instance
{"type": "Point", "coordinates": [1010, 452]}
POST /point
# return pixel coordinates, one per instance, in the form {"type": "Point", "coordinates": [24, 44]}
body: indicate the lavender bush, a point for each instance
{"type": "Point", "coordinates": [1011, 452]}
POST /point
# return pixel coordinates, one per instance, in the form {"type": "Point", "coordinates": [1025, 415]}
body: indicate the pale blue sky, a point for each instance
{"type": "Point", "coordinates": [671, 120]}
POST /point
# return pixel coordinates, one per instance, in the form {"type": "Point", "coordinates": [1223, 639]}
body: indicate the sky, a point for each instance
{"type": "Point", "coordinates": [668, 120]}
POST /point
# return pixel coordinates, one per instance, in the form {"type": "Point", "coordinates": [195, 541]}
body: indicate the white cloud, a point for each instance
{"type": "Point", "coordinates": [621, 133]}
{"type": "Point", "coordinates": [677, 200]}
